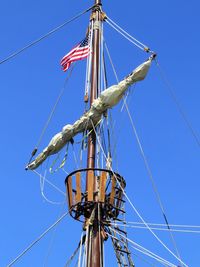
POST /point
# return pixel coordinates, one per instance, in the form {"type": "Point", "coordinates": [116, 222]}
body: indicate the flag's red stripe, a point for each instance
{"type": "Point", "coordinates": [67, 65]}
{"type": "Point", "coordinates": [76, 56]}
{"type": "Point", "coordinates": [76, 52]}
{"type": "Point", "coordinates": [72, 51]}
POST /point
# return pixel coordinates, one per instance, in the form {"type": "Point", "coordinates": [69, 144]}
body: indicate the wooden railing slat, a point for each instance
{"type": "Point", "coordinates": [112, 194]}
{"type": "Point", "coordinates": [78, 187]}
{"type": "Point", "coordinates": [103, 179]}
{"type": "Point", "coordinates": [90, 186]}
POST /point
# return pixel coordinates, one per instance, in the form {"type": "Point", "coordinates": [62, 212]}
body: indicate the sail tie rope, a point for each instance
{"type": "Point", "coordinates": [45, 35]}
{"type": "Point", "coordinates": [38, 239]}
{"type": "Point", "coordinates": [62, 164]}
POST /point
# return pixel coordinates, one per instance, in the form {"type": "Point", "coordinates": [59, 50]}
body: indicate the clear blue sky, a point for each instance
{"type": "Point", "coordinates": [29, 86]}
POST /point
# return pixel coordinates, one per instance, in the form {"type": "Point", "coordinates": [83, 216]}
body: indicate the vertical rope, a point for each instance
{"type": "Point", "coordinates": [80, 251]}
{"type": "Point", "coordinates": [89, 62]}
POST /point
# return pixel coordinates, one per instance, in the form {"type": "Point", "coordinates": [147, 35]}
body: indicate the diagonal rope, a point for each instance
{"type": "Point", "coordinates": [160, 224]}
{"type": "Point", "coordinates": [155, 256]}
{"type": "Point", "coordinates": [133, 38]}
{"type": "Point", "coordinates": [142, 259]}
{"type": "Point", "coordinates": [129, 39]}
{"type": "Point", "coordinates": [44, 36]}
{"type": "Point", "coordinates": [38, 239]}
{"type": "Point", "coordinates": [151, 256]}
{"type": "Point", "coordinates": [79, 248]}
{"type": "Point", "coordinates": [178, 105]}
{"type": "Point", "coordinates": [152, 179]}
{"type": "Point", "coordinates": [156, 228]}
{"type": "Point", "coordinates": [52, 238]}
{"type": "Point", "coordinates": [50, 183]}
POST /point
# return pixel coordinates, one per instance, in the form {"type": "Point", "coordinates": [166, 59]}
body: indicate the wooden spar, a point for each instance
{"type": "Point", "coordinates": [95, 241]}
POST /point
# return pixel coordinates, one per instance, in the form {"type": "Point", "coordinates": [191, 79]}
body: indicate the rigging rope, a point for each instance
{"type": "Point", "coordinates": [80, 252]}
{"type": "Point", "coordinates": [160, 224]}
{"type": "Point", "coordinates": [72, 256]}
{"type": "Point", "coordinates": [127, 36]}
{"type": "Point", "coordinates": [141, 247]}
{"type": "Point", "coordinates": [152, 180]}
{"type": "Point", "coordinates": [50, 183]}
{"type": "Point", "coordinates": [42, 183]}
{"type": "Point", "coordinates": [52, 238]}
{"type": "Point", "coordinates": [129, 39]}
{"type": "Point", "coordinates": [45, 35]}
{"type": "Point", "coordinates": [38, 239]}
{"type": "Point", "coordinates": [151, 256]}
{"type": "Point", "coordinates": [144, 46]}
{"type": "Point", "coordinates": [178, 105]}
{"type": "Point", "coordinates": [145, 160]}
{"type": "Point", "coordinates": [144, 260]}
{"type": "Point", "coordinates": [157, 228]}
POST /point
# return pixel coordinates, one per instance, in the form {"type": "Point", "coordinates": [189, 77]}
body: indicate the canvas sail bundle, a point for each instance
{"type": "Point", "coordinates": [108, 98]}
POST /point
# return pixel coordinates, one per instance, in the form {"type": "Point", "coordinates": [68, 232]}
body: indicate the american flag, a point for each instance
{"type": "Point", "coordinates": [79, 52]}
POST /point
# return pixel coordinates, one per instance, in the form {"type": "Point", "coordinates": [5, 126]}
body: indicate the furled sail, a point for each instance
{"type": "Point", "coordinates": [108, 98]}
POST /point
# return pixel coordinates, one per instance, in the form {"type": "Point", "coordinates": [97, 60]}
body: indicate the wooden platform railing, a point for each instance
{"type": "Point", "coordinates": [81, 193]}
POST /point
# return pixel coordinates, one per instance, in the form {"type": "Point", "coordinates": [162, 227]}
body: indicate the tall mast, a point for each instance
{"type": "Point", "coordinates": [95, 251]}
{"type": "Point", "coordinates": [101, 200]}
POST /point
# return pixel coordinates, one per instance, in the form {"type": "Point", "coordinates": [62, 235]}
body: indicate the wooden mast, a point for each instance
{"type": "Point", "coordinates": [101, 200]}
{"type": "Point", "coordinates": [95, 242]}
